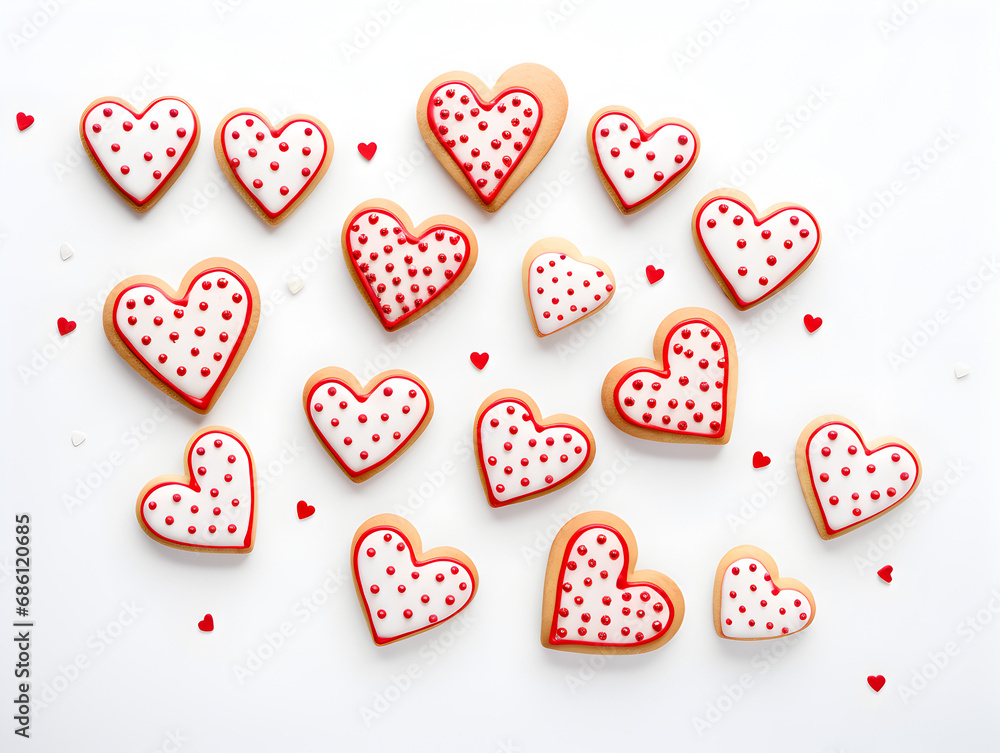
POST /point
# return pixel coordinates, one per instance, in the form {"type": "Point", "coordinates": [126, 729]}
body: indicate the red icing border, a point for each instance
{"type": "Point", "coordinates": [665, 373]}
{"type": "Point", "coordinates": [196, 402]}
{"type": "Point", "coordinates": [193, 484]}
{"type": "Point", "coordinates": [274, 134]}
{"type": "Point", "coordinates": [757, 223]}
{"type": "Point", "coordinates": [868, 453]}
{"type": "Point", "coordinates": [621, 582]}
{"type": "Point", "coordinates": [362, 399]}
{"type": "Point", "coordinates": [416, 563]}
{"type": "Point", "coordinates": [494, 502]}
{"type": "Point", "coordinates": [488, 106]}
{"type": "Point", "coordinates": [139, 116]}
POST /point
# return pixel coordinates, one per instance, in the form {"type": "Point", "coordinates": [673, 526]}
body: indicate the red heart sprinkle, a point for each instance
{"type": "Point", "coordinates": [24, 121]}
{"type": "Point", "coordinates": [479, 360]}
{"type": "Point", "coordinates": [812, 323]}
{"type": "Point", "coordinates": [207, 625]}
{"type": "Point", "coordinates": [653, 274]}
{"type": "Point", "coordinates": [886, 573]}
{"type": "Point", "coordinates": [304, 510]}
{"type": "Point", "coordinates": [65, 325]}
{"type": "Point", "coordinates": [877, 682]}
{"type": "Point", "coordinates": [760, 460]}
{"type": "Point", "coordinates": [367, 150]}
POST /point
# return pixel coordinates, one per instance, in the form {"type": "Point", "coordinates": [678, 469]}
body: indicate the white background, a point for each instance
{"type": "Point", "coordinates": [892, 78]}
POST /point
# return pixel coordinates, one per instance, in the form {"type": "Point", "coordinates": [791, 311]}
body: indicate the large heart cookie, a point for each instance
{"type": "Point", "coordinates": [848, 483]}
{"type": "Point", "coordinates": [404, 272]}
{"type": "Point", "coordinates": [140, 154]}
{"type": "Point", "coordinates": [402, 589]}
{"type": "Point", "coordinates": [521, 456]}
{"type": "Point", "coordinates": [752, 603]}
{"type": "Point", "coordinates": [595, 602]}
{"type": "Point", "coordinates": [636, 165]}
{"type": "Point", "coordinates": [187, 343]}
{"type": "Point", "coordinates": [274, 169]}
{"type": "Point", "coordinates": [751, 256]}
{"type": "Point", "coordinates": [689, 394]}
{"type": "Point", "coordinates": [366, 428]}
{"type": "Point", "coordinates": [491, 139]}
{"type": "Point", "coordinates": [212, 508]}
{"type": "Point", "coordinates": [561, 287]}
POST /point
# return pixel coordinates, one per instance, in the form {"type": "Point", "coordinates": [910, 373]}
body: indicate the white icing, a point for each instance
{"type": "Point", "coordinates": [539, 457]}
{"type": "Point", "coordinates": [605, 565]}
{"type": "Point", "coordinates": [374, 556]}
{"type": "Point", "coordinates": [115, 148]}
{"type": "Point", "coordinates": [644, 396]}
{"type": "Point", "coordinates": [208, 502]}
{"type": "Point", "coordinates": [616, 154]}
{"type": "Point", "coordinates": [245, 132]}
{"type": "Point", "coordinates": [178, 338]}
{"type": "Point", "coordinates": [563, 290]}
{"type": "Point", "coordinates": [402, 272]}
{"type": "Point", "coordinates": [886, 476]}
{"type": "Point", "coordinates": [786, 612]}
{"type": "Point", "coordinates": [496, 134]}
{"type": "Point", "coordinates": [722, 245]}
{"type": "Point", "coordinates": [389, 419]}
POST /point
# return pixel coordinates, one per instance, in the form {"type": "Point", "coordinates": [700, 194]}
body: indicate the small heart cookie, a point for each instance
{"type": "Point", "coordinates": [490, 140]}
{"type": "Point", "coordinates": [847, 482]}
{"type": "Point", "coordinates": [140, 154]}
{"type": "Point", "coordinates": [274, 169]}
{"type": "Point", "coordinates": [637, 165]}
{"type": "Point", "coordinates": [522, 456]}
{"type": "Point", "coordinates": [366, 428]}
{"type": "Point", "coordinates": [213, 507]}
{"type": "Point", "coordinates": [752, 603]}
{"type": "Point", "coordinates": [595, 602]}
{"type": "Point", "coordinates": [403, 272]}
{"type": "Point", "coordinates": [562, 287]}
{"type": "Point", "coordinates": [187, 342]}
{"type": "Point", "coordinates": [752, 254]}
{"type": "Point", "coordinates": [689, 393]}
{"type": "Point", "coordinates": [402, 589]}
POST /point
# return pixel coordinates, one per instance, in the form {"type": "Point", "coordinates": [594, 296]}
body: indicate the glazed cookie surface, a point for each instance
{"type": "Point", "coordinates": [490, 139]}
{"type": "Point", "coordinates": [689, 393]}
{"type": "Point", "coordinates": [595, 601]}
{"type": "Point", "coordinates": [638, 164]}
{"type": "Point", "coordinates": [140, 154]}
{"type": "Point", "coordinates": [402, 589]}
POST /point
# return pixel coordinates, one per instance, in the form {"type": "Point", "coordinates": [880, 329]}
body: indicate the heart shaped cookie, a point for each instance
{"type": "Point", "coordinates": [752, 603]}
{"type": "Point", "coordinates": [213, 507]}
{"type": "Point", "coordinates": [636, 165]}
{"type": "Point", "coordinates": [751, 256]}
{"type": "Point", "coordinates": [187, 343]}
{"type": "Point", "coordinates": [848, 483]}
{"type": "Point", "coordinates": [491, 139]}
{"type": "Point", "coordinates": [404, 590]}
{"type": "Point", "coordinates": [561, 286]}
{"type": "Point", "coordinates": [404, 272]}
{"type": "Point", "coordinates": [140, 154]}
{"type": "Point", "coordinates": [366, 428]}
{"type": "Point", "coordinates": [274, 169]}
{"type": "Point", "coordinates": [689, 393]}
{"type": "Point", "coordinates": [595, 601]}
{"type": "Point", "coordinates": [521, 456]}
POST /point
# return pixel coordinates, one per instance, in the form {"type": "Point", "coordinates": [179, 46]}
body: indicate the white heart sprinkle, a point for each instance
{"type": "Point", "coordinates": [294, 285]}
{"type": "Point", "coordinates": [961, 369]}
{"type": "Point", "coordinates": [78, 438]}
{"type": "Point", "coordinates": [65, 251]}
